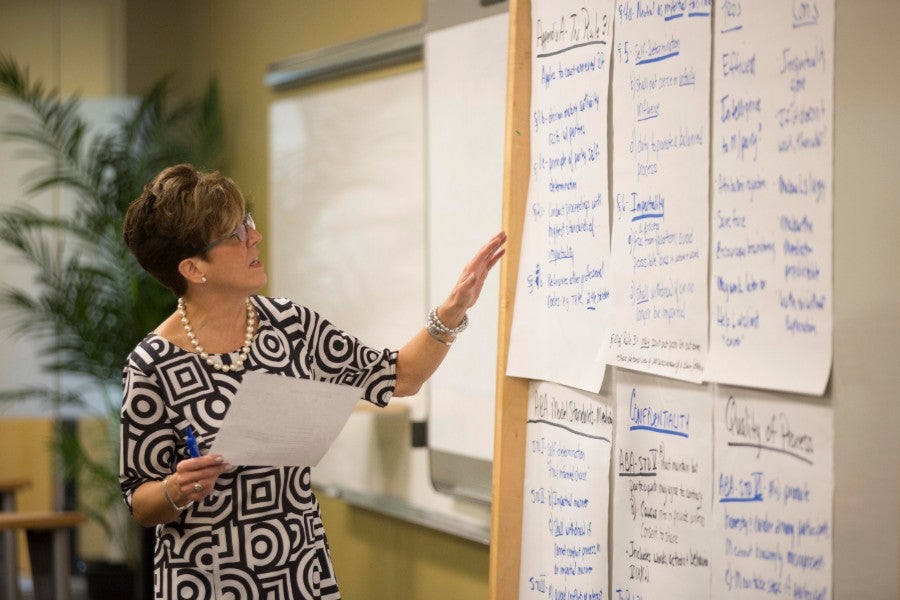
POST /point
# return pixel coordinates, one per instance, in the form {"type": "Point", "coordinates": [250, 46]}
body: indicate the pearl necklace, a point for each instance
{"type": "Point", "coordinates": [219, 365]}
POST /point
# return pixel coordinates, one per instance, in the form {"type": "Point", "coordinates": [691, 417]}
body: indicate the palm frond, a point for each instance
{"type": "Point", "coordinates": [88, 303]}
{"type": "Point", "coordinates": [52, 124]}
{"type": "Point", "coordinates": [52, 398]}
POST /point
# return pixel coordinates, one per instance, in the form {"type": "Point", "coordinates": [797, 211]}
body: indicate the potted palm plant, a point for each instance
{"type": "Point", "coordinates": [90, 302]}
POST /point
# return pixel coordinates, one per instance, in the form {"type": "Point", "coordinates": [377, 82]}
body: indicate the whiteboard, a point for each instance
{"type": "Point", "coordinates": [347, 226]}
{"type": "Point", "coordinates": [348, 239]}
{"type": "Point", "coordinates": [465, 74]}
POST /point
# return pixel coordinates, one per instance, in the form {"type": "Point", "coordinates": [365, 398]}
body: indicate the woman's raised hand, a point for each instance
{"type": "Point", "coordinates": [468, 287]}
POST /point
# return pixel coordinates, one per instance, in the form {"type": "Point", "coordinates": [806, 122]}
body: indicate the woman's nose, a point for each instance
{"type": "Point", "coordinates": [253, 236]}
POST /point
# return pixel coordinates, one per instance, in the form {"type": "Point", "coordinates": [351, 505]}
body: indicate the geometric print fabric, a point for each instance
{"type": "Point", "coordinates": [260, 533]}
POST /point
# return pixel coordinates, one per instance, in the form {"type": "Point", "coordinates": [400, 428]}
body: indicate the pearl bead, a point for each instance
{"type": "Point", "coordinates": [238, 363]}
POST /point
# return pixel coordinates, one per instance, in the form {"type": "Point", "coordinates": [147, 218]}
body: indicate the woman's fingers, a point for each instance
{"type": "Point", "coordinates": [485, 259]}
{"type": "Point", "coordinates": [477, 269]}
{"type": "Point", "coordinates": [493, 250]}
{"type": "Point", "coordinates": [197, 476]}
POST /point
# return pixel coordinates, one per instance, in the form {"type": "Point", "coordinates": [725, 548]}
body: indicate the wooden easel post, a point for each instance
{"type": "Point", "coordinates": [512, 393]}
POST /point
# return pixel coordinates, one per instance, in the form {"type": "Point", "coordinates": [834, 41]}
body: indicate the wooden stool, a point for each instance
{"type": "Point", "coordinates": [47, 534]}
{"type": "Point", "coordinates": [9, 564]}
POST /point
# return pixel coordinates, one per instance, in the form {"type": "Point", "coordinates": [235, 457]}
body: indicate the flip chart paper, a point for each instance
{"type": "Point", "coordinates": [774, 489]}
{"type": "Point", "coordinates": [566, 496]}
{"type": "Point", "coordinates": [283, 421]}
{"type": "Point", "coordinates": [662, 502]}
{"type": "Point", "coordinates": [660, 236]}
{"type": "Point", "coordinates": [561, 290]}
{"type": "Point", "coordinates": [771, 288]}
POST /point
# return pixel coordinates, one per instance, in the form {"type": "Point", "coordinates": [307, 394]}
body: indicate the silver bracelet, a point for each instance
{"type": "Point", "coordinates": [169, 498]}
{"type": "Point", "coordinates": [435, 326]}
{"type": "Point", "coordinates": [437, 339]}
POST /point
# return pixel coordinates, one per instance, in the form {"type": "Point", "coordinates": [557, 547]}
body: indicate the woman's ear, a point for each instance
{"type": "Point", "coordinates": [190, 270]}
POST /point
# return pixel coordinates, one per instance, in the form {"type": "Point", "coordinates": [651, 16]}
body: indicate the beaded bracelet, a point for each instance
{"type": "Point", "coordinates": [435, 326]}
{"type": "Point", "coordinates": [169, 498]}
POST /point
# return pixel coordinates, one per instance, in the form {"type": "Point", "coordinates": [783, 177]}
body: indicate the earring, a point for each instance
{"type": "Point", "coordinates": [203, 279]}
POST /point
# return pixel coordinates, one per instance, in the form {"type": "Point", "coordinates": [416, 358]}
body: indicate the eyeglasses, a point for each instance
{"type": "Point", "coordinates": [240, 232]}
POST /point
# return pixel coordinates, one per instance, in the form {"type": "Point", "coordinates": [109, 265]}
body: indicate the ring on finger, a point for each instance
{"type": "Point", "coordinates": [198, 487]}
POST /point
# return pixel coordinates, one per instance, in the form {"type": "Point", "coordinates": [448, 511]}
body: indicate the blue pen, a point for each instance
{"type": "Point", "coordinates": [193, 449]}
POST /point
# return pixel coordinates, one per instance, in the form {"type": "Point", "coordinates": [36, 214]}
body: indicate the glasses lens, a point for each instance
{"type": "Point", "coordinates": [241, 230]}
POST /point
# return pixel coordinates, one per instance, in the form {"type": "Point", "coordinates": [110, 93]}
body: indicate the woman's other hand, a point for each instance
{"type": "Point", "coordinates": [195, 478]}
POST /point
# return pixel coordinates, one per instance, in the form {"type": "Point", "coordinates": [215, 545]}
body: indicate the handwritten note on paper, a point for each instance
{"type": "Point", "coordinates": [771, 276]}
{"type": "Point", "coordinates": [562, 291]}
{"type": "Point", "coordinates": [566, 496]}
{"type": "Point", "coordinates": [659, 256]}
{"type": "Point", "coordinates": [661, 505]}
{"type": "Point", "coordinates": [774, 487]}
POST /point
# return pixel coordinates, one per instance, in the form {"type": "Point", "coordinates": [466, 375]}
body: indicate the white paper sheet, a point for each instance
{"type": "Point", "coordinates": [771, 289]}
{"type": "Point", "coordinates": [565, 516]}
{"type": "Point", "coordinates": [561, 291]}
{"type": "Point", "coordinates": [662, 503]}
{"type": "Point", "coordinates": [283, 421]}
{"type": "Point", "coordinates": [659, 249]}
{"type": "Point", "coordinates": [774, 497]}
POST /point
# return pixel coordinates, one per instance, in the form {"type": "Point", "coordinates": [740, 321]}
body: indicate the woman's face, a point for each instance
{"type": "Point", "coordinates": [233, 260]}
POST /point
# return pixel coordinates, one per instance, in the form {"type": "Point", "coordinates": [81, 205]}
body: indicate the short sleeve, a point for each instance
{"type": "Point", "coordinates": [339, 357]}
{"type": "Point", "coordinates": [147, 438]}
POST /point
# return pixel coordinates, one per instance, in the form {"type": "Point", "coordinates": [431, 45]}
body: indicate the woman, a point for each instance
{"type": "Point", "coordinates": [245, 532]}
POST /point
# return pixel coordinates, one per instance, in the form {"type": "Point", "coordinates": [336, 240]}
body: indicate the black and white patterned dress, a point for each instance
{"type": "Point", "coordinates": [259, 534]}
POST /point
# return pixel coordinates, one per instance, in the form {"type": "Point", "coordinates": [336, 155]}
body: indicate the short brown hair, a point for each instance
{"type": "Point", "coordinates": [176, 216]}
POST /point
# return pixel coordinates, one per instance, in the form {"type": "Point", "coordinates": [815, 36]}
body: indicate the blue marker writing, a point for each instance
{"type": "Point", "coordinates": [193, 449]}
